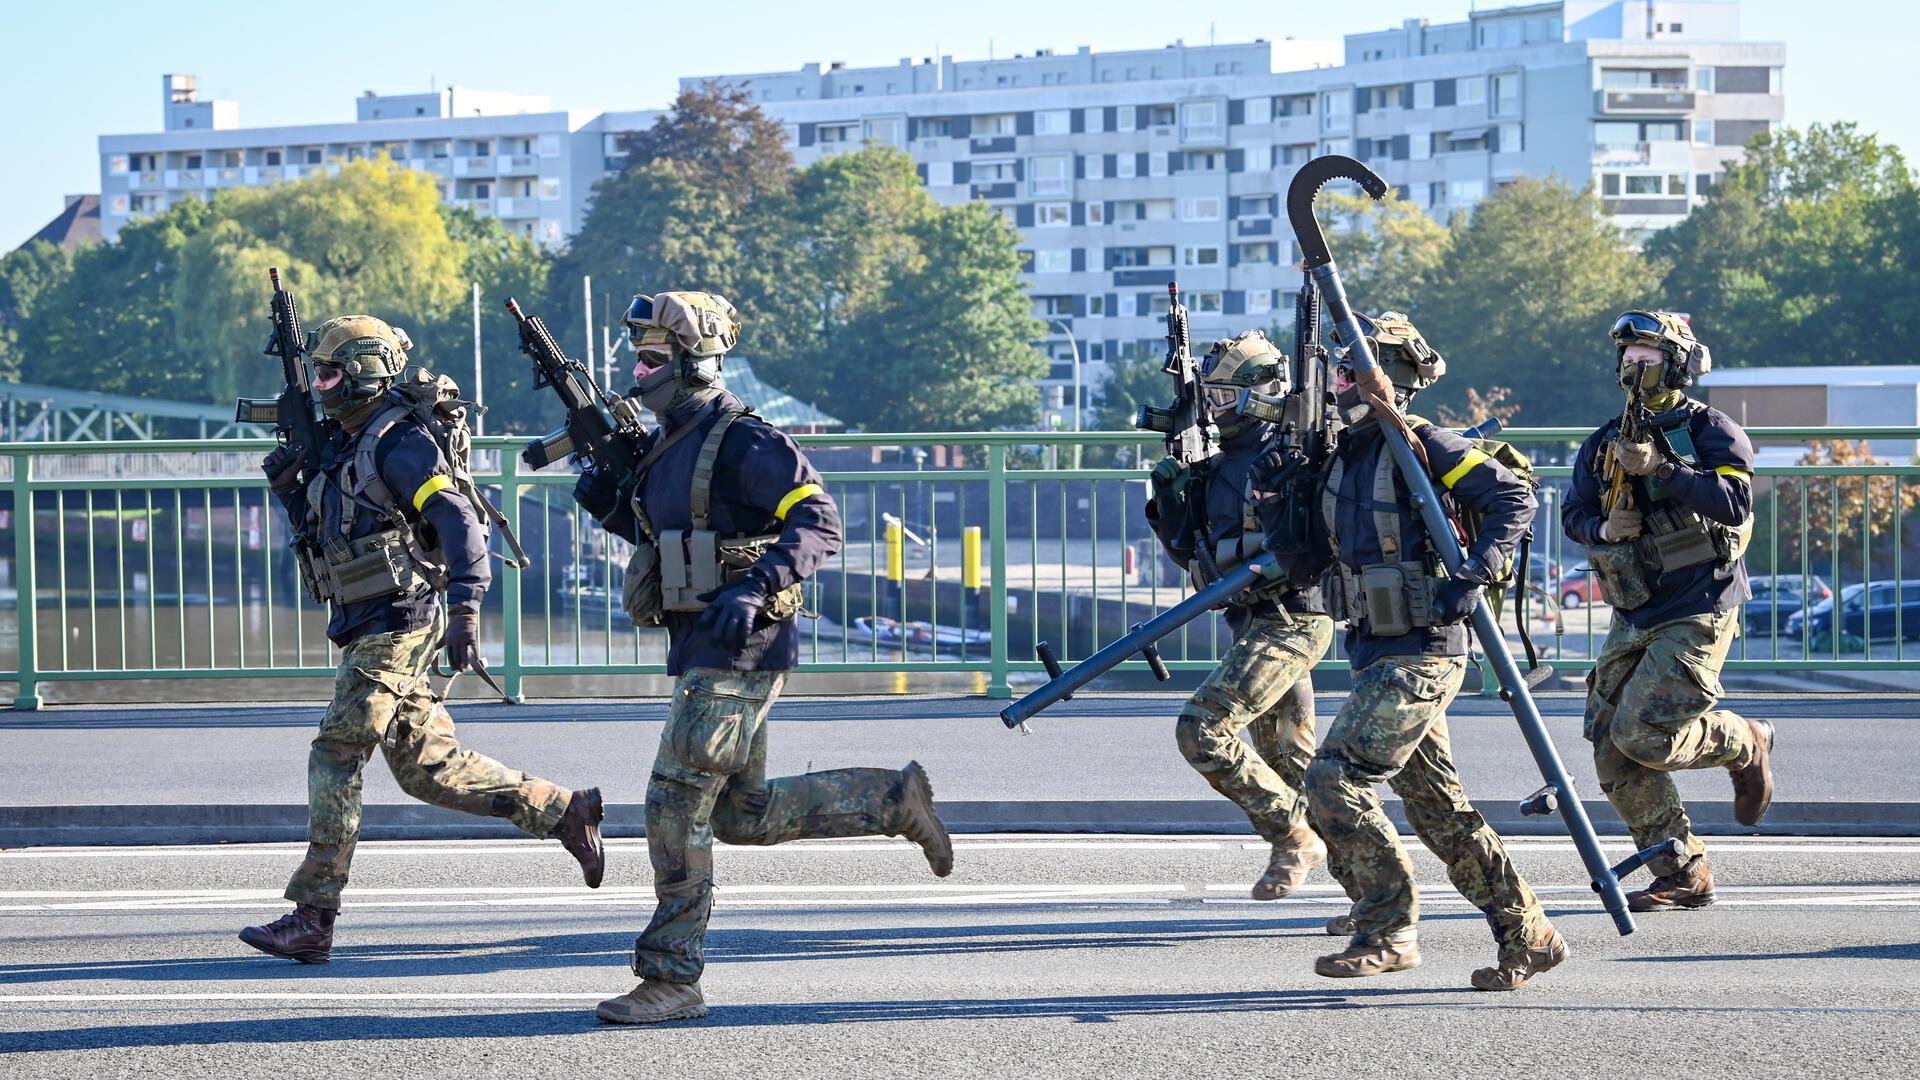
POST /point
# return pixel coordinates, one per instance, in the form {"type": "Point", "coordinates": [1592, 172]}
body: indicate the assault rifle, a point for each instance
{"type": "Point", "coordinates": [1559, 793]}
{"type": "Point", "coordinates": [601, 428]}
{"type": "Point", "coordinates": [1143, 638]}
{"type": "Point", "coordinates": [291, 414]}
{"type": "Point", "coordinates": [1191, 436]}
{"type": "Point", "coordinates": [1634, 425]}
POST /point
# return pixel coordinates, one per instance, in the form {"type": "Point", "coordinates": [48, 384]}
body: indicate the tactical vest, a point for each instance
{"type": "Point", "coordinates": [670, 568]}
{"type": "Point", "coordinates": [393, 561]}
{"type": "Point", "coordinates": [1393, 596]}
{"type": "Point", "coordinates": [1673, 537]}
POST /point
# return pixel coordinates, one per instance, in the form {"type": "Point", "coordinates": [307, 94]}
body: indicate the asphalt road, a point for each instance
{"type": "Point", "coordinates": [1052, 956]}
{"type": "Point", "coordinates": [1831, 748]}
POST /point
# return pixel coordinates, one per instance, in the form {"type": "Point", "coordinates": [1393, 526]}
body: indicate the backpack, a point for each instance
{"type": "Point", "coordinates": [434, 402]}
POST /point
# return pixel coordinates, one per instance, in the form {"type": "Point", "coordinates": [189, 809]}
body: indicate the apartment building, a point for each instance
{"type": "Point", "coordinates": [1121, 169]}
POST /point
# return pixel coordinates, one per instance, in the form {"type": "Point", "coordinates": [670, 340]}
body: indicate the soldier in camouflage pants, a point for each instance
{"type": "Point", "coordinates": [382, 698]}
{"type": "Point", "coordinates": [710, 782]}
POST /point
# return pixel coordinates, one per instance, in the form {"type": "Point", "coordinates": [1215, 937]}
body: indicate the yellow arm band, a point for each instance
{"type": "Point", "coordinates": [433, 484]}
{"type": "Point", "coordinates": [1474, 457]}
{"type": "Point", "coordinates": [804, 491]}
{"type": "Point", "coordinates": [1735, 470]}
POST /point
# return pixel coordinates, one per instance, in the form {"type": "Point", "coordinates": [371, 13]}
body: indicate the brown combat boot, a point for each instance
{"type": "Point", "coordinates": [1753, 784]}
{"type": "Point", "coordinates": [304, 934]}
{"type": "Point", "coordinates": [1362, 957]}
{"type": "Point", "coordinates": [579, 833]}
{"type": "Point", "coordinates": [1512, 972]}
{"type": "Point", "coordinates": [1294, 856]}
{"type": "Point", "coordinates": [653, 1002]}
{"type": "Point", "coordinates": [1690, 887]}
{"type": "Point", "coordinates": [919, 823]}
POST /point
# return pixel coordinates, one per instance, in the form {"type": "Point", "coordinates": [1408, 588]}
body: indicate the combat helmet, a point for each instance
{"type": "Point", "coordinates": [694, 329]}
{"type": "Point", "coordinates": [1248, 361]}
{"type": "Point", "coordinates": [1672, 333]}
{"type": "Point", "coordinates": [368, 352]}
{"type": "Point", "coordinates": [1409, 362]}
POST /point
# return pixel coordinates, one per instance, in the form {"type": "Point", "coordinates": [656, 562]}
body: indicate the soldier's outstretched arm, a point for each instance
{"type": "Point", "coordinates": [1721, 486]}
{"type": "Point", "coordinates": [411, 466]}
{"type": "Point", "coordinates": [1504, 501]}
{"type": "Point", "coordinates": [1582, 513]}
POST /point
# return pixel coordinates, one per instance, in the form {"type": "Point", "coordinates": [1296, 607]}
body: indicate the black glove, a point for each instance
{"type": "Point", "coordinates": [1454, 600]}
{"type": "Point", "coordinates": [462, 639]}
{"type": "Point", "coordinates": [597, 491]}
{"type": "Point", "coordinates": [282, 466]}
{"type": "Point", "coordinates": [732, 611]}
{"type": "Point", "coordinates": [1271, 469]}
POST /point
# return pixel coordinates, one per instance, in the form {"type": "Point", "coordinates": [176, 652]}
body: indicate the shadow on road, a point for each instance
{"type": "Point", "coordinates": [1909, 951]}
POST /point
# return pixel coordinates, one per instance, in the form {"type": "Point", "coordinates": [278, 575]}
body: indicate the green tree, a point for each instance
{"type": "Point", "coordinates": [1529, 286]}
{"type": "Point", "coordinates": [504, 264]}
{"type": "Point", "coordinates": [1132, 381]}
{"type": "Point", "coordinates": [1389, 250]}
{"type": "Point", "coordinates": [26, 274]}
{"type": "Point", "coordinates": [720, 139]}
{"type": "Point", "coordinates": [1808, 252]}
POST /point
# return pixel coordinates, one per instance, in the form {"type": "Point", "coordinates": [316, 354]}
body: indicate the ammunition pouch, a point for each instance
{"type": "Point", "coordinates": [692, 562]}
{"type": "Point", "coordinates": [382, 564]}
{"type": "Point", "coordinates": [1674, 538]}
{"type": "Point", "coordinates": [1622, 574]}
{"type": "Point", "coordinates": [1389, 599]}
{"type": "Point", "coordinates": [640, 587]}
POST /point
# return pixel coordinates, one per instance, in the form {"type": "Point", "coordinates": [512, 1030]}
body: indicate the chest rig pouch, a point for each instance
{"type": "Point", "coordinates": [1393, 596]}
{"type": "Point", "coordinates": [396, 560]}
{"type": "Point", "coordinates": [688, 562]}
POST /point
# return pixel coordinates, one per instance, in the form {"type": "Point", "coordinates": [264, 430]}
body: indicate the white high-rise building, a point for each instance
{"type": "Point", "coordinates": [1121, 169]}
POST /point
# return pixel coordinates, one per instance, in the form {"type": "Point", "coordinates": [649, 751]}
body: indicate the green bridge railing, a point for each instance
{"type": "Point", "coordinates": [166, 560]}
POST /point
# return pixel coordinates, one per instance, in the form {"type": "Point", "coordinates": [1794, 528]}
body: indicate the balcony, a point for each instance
{"type": "Point", "coordinates": [140, 180]}
{"type": "Point", "coordinates": [228, 176]}
{"type": "Point", "coordinates": [473, 166]}
{"type": "Point", "coordinates": [1638, 153]}
{"type": "Point", "coordinates": [1146, 275]}
{"type": "Point", "coordinates": [1672, 207]}
{"type": "Point", "coordinates": [1002, 190]}
{"type": "Point", "coordinates": [999, 144]}
{"type": "Point", "coordinates": [516, 165]}
{"type": "Point", "coordinates": [1254, 227]}
{"type": "Point", "coordinates": [1658, 100]}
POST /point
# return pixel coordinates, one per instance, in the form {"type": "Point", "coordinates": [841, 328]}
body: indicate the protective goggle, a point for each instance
{"type": "Point", "coordinates": [1638, 322]}
{"type": "Point", "coordinates": [1222, 398]}
{"type": "Point", "coordinates": [1368, 329]}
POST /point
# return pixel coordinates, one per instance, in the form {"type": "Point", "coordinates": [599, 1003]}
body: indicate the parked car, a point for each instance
{"type": "Point", "coordinates": [1580, 587]}
{"type": "Point", "coordinates": [1871, 611]}
{"type": "Point", "coordinates": [1778, 597]}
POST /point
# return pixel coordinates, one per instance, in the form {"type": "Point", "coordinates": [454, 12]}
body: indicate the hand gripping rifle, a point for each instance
{"type": "Point", "coordinates": [1559, 791]}
{"type": "Point", "coordinates": [291, 414]}
{"type": "Point", "coordinates": [1143, 637]}
{"type": "Point", "coordinates": [603, 429]}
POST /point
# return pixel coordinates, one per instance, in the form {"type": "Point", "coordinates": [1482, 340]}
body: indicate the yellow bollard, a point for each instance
{"type": "Point", "coordinates": [896, 554]}
{"type": "Point", "coordinates": [970, 557]}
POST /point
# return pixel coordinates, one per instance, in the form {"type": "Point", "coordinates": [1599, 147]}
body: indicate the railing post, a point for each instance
{"type": "Point", "coordinates": [26, 588]}
{"type": "Point", "coordinates": [997, 684]}
{"type": "Point", "coordinates": [510, 677]}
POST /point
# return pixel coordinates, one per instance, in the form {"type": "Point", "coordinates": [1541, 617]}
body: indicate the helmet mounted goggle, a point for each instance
{"type": "Point", "coordinates": [642, 331]}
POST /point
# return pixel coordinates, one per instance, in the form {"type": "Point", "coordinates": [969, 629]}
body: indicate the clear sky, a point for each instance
{"type": "Point", "coordinates": [71, 73]}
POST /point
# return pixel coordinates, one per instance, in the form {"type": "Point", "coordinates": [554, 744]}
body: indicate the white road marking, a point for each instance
{"type": "Point", "coordinates": [302, 997]}
{"type": "Point", "coordinates": [886, 845]}
{"type": "Point", "coordinates": [1717, 844]}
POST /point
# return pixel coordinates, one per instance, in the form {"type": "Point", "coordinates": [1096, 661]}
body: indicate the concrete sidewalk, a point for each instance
{"type": "Point", "coordinates": [1845, 765]}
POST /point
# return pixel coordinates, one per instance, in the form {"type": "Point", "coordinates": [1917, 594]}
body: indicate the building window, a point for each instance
{"type": "Point", "coordinates": [1202, 161]}
{"type": "Point", "coordinates": [1096, 213]}
{"type": "Point", "coordinates": [1053, 261]}
{"type": "Point", "coordinates": [1201, 208]}
{"type": "Point", "coordinates": [1160, 115]}
{"type": "Point", "coordinates": [993, 172]}
{"type": "Point", "coordinates": [1342, 147]}
{"type": "Point", "coordinates": [1257, 111]}
{"type": "Point", "coordinates": [550, 188]}
{"type": "Point", "coordinates": [1256, 253]}
{"type": "Point", "coordinates": [117, 164]}
{"type": "Point", "coordinates": [1125, 165]}
{"type": "Point", "coordinates": [939, 173]}
{"type": "Point", "coordinates": [1096, 166]}
{"type": "Point", "coordinates": [1050, 175]}
{"type": "Point", "coordinates": [1052, 215]}
{"type": "Point", "coordinates": [1511, 140]}
{"type": "Point", "coordinates": [1466, 192]}
{"type": "Point", "coordinates": [313, 155]}
{"type": "Point", "coordinates": [1093, 120]}
{"type": "Point", "coordinates": [483, 148]}
{"type": "Point", "coordinates": [887, 130]}
{"type": "Point", "coordinates": [1259, 301]}
{"type": "Point", "coordinates": [1703, 133]}
{"type": "Point", "coordinates": [271, 157]}
{"type": "Point", "coordinates": [1052, 307]}
{"type": "Point", "coordinates": [835, 133]}
{"type": "Point", "coordinates": [1257, 206]}
{"type": "Point", "coordinates": [1053, 122]}
{"type": "Point", "coordinates": [1200, 120]}
{"type": "Point", "coordinates": [1159, 302]}
{"type": "Point", "coordinates": [1097, 306]}
{"type": "Point", "coordinates": [1205, 303]}
{"type": "Point", "coordinates": [1645, 185]}
{"type": "Point", "coordinates": [1506, 94]}
{"type": "Point", "coordinates": [118, 204]}
{"type": "Point", "coordinates": [994, 125]}
{"type": "Point", "coordinates": [938, 127]}
{"type": "Point", "coordinates": [1200, 256]}
{"type": "Point", "coordinates": [483, 190]}
{"type": "Point", "coordinates": [1157, 163]}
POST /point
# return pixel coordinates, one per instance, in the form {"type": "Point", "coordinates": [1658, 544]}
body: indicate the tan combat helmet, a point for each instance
{"type": "Point", "coordinates": [1248, 361]}
{"type": "Point", "coordinates": [1404, 355]}
{"type": "Point", "coordinates": [1672, 333]}
{"type": "Point", "coordinates": [368, 351]}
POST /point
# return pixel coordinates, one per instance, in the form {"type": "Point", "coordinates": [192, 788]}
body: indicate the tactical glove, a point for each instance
{"type": "Point", "coordinates": [1623, 523]}
{"type": "Point", "coordinates": [732, 612]}
{"type": "Point", "coordinates": [1454, 599]}
{"type": "Point", "coordinates": [462, 639]}
{"type": "Point", "coordinates": [597, 491]}
{"type": "Point", "coordinates": [1638, 459]}
{"type": "Point", "coordinates": [1271, 470]}
{"type": "Point", "coordinates": [282, 466]}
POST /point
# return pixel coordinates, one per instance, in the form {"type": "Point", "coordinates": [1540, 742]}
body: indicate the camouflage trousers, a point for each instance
{"type": "Point", "coordinates": [381, 698]}
{"type": "Point", "coordinates": [1264, 687]}
{"type": "Point", "coordinates": [1394, 728]}
{"type": "Point", "coordinates": [1650, 712]}
{"type": "Point", "coordinates": [710, 780]}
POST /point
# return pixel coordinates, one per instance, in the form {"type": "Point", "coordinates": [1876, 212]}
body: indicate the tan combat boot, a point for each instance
{"type": "Point", "coordinates": [1294, 856]}
{"type": "Point", "coordinates": [1398, 951]}
{"type": "Point", "coordinates": [654, 1002]}
{"type": "Point", "coordinates": [1690, 887]}
{"type": "Point", "coordinates": [919, 823]}
{"type": "Point", "coordinates": [1512, 972]}
{"type": "Point", "coordinates": [1753, 784]}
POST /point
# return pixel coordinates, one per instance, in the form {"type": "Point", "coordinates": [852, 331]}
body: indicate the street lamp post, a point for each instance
{"type": "Point", "coordinates": [1074, 347]}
